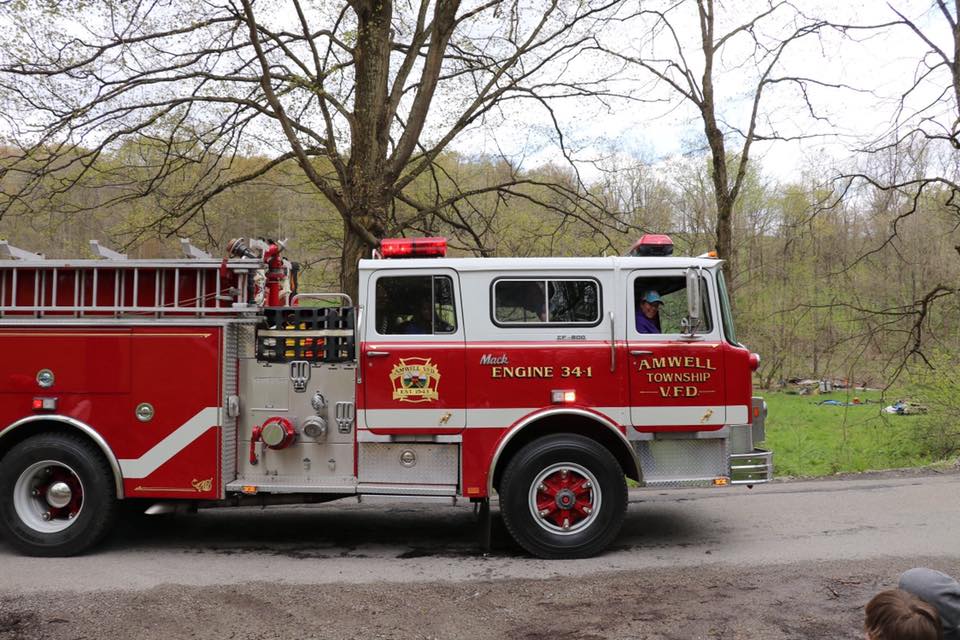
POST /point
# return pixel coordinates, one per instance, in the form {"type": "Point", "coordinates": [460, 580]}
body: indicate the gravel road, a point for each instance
{"type": "Point", "coordinates": [786, 560]}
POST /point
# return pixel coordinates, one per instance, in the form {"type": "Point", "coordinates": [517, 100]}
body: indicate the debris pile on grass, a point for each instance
{"type": "Point", "coordinates": [815, 386]}
{"type": "Point", "coordinates": [906, 408]}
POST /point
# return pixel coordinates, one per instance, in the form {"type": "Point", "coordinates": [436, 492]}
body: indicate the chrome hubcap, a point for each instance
{"type": "Point", "coordinates": [565, 498]}
{"type": "Point", "coordinates": [59, 495]}
{"type": "Point", "coordinates": [48, 496]}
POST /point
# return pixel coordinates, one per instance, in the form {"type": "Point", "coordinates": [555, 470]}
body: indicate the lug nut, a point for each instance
{"type": "Point", "coordinates": [46, 515]}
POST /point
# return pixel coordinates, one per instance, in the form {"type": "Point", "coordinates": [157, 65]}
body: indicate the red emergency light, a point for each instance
{"type": "Point", "coordinates": [652, 244]}
{"type": "Point", "coordinates": [413, 247]}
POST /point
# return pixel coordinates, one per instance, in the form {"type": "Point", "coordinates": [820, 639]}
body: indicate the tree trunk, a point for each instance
{"type": "Point", "coordinates": [363, 190]}
{"type": "Point", "coordinates": [370, 129]}
{"type": "Point", "coordinates": [725, 238]}
{"type": "Point", "coordinates": [355, 249]}
{"type": "Point", "coordinates": [724, 194]}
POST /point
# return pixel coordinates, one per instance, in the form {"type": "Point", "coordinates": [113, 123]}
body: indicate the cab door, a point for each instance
{"type": "Point", "coordinates": [413, 353]}
{"type": "Point", "coordinates": [676, 382]}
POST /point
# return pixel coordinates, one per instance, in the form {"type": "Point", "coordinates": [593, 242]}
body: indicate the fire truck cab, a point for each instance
{"type": "Point", "coordinates": [208, 383]}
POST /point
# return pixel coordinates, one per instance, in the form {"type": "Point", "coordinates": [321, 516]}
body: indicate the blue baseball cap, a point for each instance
{"type": "Point", "coordinates": [652, 297]}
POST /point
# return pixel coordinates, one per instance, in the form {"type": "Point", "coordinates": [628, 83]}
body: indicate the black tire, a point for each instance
{"type": "Point", "coordinates": [580, 472]}
{"type": "Point", "coordinates": [41, 473]}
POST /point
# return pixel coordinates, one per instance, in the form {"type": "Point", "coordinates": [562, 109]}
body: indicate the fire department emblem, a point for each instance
{"type": "Point", "coordinates": [415, 380]}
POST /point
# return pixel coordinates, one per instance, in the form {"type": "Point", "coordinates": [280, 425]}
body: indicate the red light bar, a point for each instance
{"type": "Point", "coordinates": [413, 247]}
{"type": "Point", "coordinates": [652, 244]}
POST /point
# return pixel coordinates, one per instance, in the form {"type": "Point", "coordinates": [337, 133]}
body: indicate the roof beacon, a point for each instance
{"type": "Point", "coordinates": [413, 247]}
{"type": "Point", "coordinates": [652, 244]}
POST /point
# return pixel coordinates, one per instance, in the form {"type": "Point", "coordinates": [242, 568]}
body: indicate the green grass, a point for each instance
{"type": "Point", "coordinates": [809, 439]}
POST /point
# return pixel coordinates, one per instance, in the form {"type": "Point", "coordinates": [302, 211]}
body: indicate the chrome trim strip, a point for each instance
{"type": "Point", "coordinates": [517, 427]}
{"type": "Point", "coordinates": [86, 429]}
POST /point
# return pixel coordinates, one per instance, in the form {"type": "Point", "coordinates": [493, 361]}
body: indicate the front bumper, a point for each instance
{"type": "Point", "coordinates": [751, 468]}
{"type": "Point", "coordinates": [750, 465]}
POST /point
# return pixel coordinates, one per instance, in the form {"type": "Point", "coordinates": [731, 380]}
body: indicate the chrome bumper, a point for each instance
{"type": "Point", "coordinates": [751, 468]}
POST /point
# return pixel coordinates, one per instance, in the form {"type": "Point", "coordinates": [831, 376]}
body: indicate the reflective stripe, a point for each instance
{"type": "Point", "coordinates": [654, 416]}
{"type": "Point", "coordinates": [170, 446]}
{"type": "Point", "coordinates": [400, 418]}
{"type": "Point", "coordinates": [738, 414]}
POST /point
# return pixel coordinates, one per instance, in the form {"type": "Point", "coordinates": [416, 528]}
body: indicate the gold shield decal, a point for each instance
{"type": "Point", "coordinates": [202, 486]}
{"type": "Point", "coordinates": [415, 380]}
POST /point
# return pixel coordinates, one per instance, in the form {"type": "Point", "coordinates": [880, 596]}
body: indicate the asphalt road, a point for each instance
{"type": "Point", "coordinates": [785, 523]}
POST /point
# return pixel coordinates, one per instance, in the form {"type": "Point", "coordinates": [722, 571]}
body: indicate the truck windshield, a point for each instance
{"type": "Point", "coordinates": [725, 310]}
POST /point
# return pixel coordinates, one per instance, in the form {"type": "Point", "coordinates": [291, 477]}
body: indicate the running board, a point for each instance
{"type": "Point", "coordinates": [380, 488]}
{"type": "Point", "coordinates": [373, 498]}
{"type": "Point", "coordinates": [251, 487]}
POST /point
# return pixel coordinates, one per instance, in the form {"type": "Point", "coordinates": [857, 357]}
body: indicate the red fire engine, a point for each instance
{"type": "Point", "coordinates": [203, 382]}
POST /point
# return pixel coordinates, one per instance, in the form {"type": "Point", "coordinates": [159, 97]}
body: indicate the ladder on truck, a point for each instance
{"type": "Point", "coordinates": [113, 286]}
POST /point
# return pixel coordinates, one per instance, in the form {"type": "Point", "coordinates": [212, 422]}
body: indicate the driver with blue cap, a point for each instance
{"type": "Point", "coordinates": [648, 312]}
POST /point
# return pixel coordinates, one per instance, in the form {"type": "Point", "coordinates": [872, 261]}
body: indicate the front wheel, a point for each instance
{"type": "Point", "coordinates": [563, 496]}
{"type": "Point", "coordinates": [57, 496]}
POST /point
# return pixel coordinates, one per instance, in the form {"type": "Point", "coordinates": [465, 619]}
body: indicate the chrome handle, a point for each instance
{"type": "Point", "coordinates": [613, 344]}
{"type": "Point", "coordinates": [638, 352]}
{"type": "Point", "coordinates": [358, 340]}
{"type": "Point", "coordinates": [377, 354]}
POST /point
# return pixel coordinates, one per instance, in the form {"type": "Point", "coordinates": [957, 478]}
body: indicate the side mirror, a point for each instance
{"type": "Point", "coordinates": [693, 300]}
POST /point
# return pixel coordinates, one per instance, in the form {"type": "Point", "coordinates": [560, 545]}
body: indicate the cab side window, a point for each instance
{"type": "Point", "coordinates": [660, 305]}
{"type": "Point", "coordinates": [415, 305]}
{"type": "Point", "coordinates": [518, 302]}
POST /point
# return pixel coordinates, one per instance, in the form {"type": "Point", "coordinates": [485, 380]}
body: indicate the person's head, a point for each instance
{"type": "Point", "coordinates": [422, 314]}
{"type": "Point", "coordinates": [939, 590]}
{"type": "Point", "coordinates": [898, 615]}
{"type": "Point", "coordinates": [650, 304]}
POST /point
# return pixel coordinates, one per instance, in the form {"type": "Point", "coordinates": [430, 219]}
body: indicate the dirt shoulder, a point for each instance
{"type": "Point", "coordinates": [784, 561]}
{"type": "Point", "coordinates": [810, 601]}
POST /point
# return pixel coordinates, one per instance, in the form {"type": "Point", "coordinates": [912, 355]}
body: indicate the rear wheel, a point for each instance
{"type": "Point", "coordinates": [57, 496]}
{"type": "Point", "coordinates": [563, 496]}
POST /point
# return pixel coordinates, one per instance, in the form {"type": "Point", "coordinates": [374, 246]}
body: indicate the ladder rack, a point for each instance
{"type": "Point", "coordinates": [178, 288]}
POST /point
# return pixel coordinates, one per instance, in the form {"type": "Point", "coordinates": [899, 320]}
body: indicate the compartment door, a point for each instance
{"type": "Point", "coordinates": [413, 354]}
{"type": "Point", "coordinates": [172, 446]}
{"type": "Point", "coordinates": [676, 383]}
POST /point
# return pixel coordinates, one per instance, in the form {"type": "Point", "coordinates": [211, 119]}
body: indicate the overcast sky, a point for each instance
{"type": "Point", "coordinates": [880, 65]}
